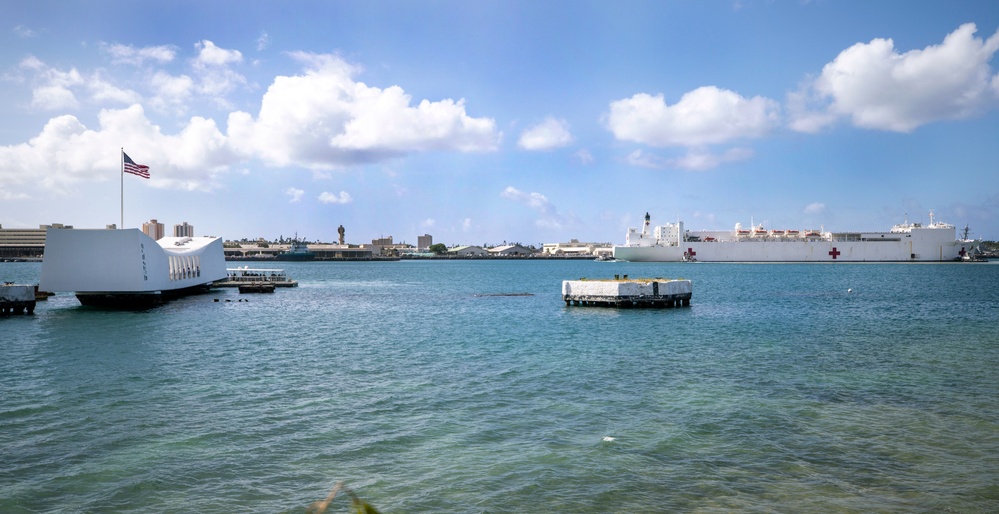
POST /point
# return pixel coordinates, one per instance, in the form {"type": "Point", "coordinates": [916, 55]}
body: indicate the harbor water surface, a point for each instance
{"type": "Point", "coordinates": [469, 386]}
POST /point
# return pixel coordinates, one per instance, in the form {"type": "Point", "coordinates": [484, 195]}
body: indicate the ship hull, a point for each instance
{"type": "Point", "coordinates": [796, 251]}
{"type": "Point", "coordinates": [295, 257]}
{"type": "Point", "coordinates": [138, 301]}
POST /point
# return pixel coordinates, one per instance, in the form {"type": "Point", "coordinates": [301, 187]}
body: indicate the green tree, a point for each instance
{"type": "Point", "coordinates": [438, 248]}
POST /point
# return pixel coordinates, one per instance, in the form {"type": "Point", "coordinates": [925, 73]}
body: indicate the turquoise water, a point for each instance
{"type": "Point", "coordinates": [776, 391]}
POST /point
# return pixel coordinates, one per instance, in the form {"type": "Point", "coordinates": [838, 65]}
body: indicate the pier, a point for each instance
{"type": "Point", "coordinates": [17, 299]}
{"type": "Point", "coordinates": [625, 292]}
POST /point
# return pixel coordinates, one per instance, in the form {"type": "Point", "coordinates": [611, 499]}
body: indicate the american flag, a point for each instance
{"type": "Point", "coordinates": [135, 169]}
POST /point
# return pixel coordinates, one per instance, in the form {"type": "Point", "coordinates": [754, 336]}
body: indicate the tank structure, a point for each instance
{"type": "Point", "coordinates": [627, 292]}
{"type": "Point", "coordinates": [17, 299]}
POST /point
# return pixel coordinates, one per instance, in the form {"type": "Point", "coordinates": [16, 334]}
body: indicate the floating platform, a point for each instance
{"type": "Point", "coordinates": [257, 287]}
{"type": "Point", "coordinates": [627, 292]}
{"type": "Point", "coordinates": [17, 299]}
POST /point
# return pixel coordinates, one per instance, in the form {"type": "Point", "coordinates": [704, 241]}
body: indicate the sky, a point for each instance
{"type": "Point", "coordinates": [492, 122]}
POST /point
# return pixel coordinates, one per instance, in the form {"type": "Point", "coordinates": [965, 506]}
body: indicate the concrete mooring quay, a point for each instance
{"type": "Point", "coordinates": [627, 292]}
{"type": "Point", "coordinates": [16, 299]}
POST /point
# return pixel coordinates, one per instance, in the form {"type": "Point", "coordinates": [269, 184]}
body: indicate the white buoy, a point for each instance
{"type": "Point", "coordinates": [608, 438]}
{"type": "Point", "coordinates": [849, 290]}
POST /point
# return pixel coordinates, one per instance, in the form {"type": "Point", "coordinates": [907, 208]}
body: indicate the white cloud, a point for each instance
{"type": "Point", "coordinates": [879, 88]}
{"type": "Point", "coordinates": [536, 201]}
{"type": "Point", "coordinates": [321, 119]}
{"type": "Point", "coordinates": [171, 92]}
{"type": "Point", "coordinates": [32, 63]}
{"type": "Point", "coordinates": [549, 215]}
{"type": "Point", "coordinates": [7, 195]}
{"type": "Point", "coordinates": [324, 119]}
{"type": "Point", "coordinates": [212, 67]}
{"type": "Point", "coordinates": [547, 135]}
{"type": "Point", "coordinates": [696, 159]}
{"type": "Point", "coordinates": [53, 89]}
{"type": "Point", "coordinates": [128, 54]}
{"type": "Point", "coordinates": [815, 208]}
{"type": "Point", "coordinates": [428, 223]}
{"type": "Point", "coordinates": [706, 115]}
{"type": "Point", "coordinates": [295, 194]}
{"type": "Point", "coordinates": [53, 98]}
{"type": "Point", "coordinates": [25, 32]}
{"type": "Point", "coordinates": [584, 157]}
{"type": "Point", "coordinates": [805, 118]}
{"type": "Point", "coordinates": [342, 198]}
{"type": "Point", "coordinates": [466, 224]}
{"type": "Point", "coordinates": [104, 91]}
{"type": "Point", "coordinates": [70, 152]}
{"type": "Point", "coordinates": [263, 41]}
{"type": "Point", "coordinates": [210, 55]}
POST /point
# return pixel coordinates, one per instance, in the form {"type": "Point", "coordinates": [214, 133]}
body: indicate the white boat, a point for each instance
{"type": "Point", "coordinates": [245, 275]}
{"type": "Point", "coordinates": [905, 242]}
{"type": "Point", "coordinates": [128, 269]}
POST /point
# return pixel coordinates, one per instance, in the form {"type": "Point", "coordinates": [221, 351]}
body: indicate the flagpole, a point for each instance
{"type": "Point", "coordinates": [121, 158]}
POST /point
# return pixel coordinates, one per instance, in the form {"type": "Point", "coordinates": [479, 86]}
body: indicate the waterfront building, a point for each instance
{"type": "Point", "coordinates": [424, 242]}
{"type": "Point", "coordinates": [153, 229]}
{"type": "Point", "coordinates": [183, 230]}
{"type": "Point", "coordinates": [467, 251]}
{"type": "Point", "coordinates": [385, 246]}
{"type": "Point", "coordinates": [20, 243]}
{"type": "Point", "coordinates": [574, 247]}
{"type": "Point", "coordinates": [510, 251]}
{"type": "Point", "coordinates": [252, 251]}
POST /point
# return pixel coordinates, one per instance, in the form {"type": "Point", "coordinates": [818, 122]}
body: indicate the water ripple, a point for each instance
{"type": "Point", "coordinates": [426, 387]}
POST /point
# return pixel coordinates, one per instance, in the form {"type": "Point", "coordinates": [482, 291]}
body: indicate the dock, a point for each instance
{"type": "Point", "coordinates": [627, 292]}
{"type": "Point", "coordinates": [257, 287]}
{"type": "Point", "coordinates": [17, 299]}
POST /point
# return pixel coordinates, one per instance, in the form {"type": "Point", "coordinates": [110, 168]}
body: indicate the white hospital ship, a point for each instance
{"type": "Point", "coordinates": [128, 269]}
{"type": "Point", "coordinates": [905, 242]}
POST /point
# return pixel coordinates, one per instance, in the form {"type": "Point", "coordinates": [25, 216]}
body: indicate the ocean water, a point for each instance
{"type": "Point", "coordinates": [440, 386]}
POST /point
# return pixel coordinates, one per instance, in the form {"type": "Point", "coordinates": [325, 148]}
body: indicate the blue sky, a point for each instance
{"type": "Point", "coordinates": [484, 122]}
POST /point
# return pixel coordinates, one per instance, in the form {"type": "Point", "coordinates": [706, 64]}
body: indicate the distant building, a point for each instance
{"type": "Point", "coordinates": [183, 230]}
{"type": "Point", "coordinates": [25, 242]}
{"type": "Point", "coordinates": [153, 229]}
{"type": "Point", "coordinates": [467, 251]}
{"type": "Point", "coordinates": [424, 242]}
{"type": "Point", "coordinates": [249, 250]}
{"type": "Point", "coordinates": [511, 250]}
{"type": "Point", "coordinates": [574, 247]}
{"type": "Point", "coordinates": [382, 241]}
